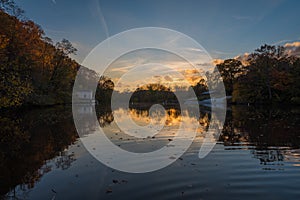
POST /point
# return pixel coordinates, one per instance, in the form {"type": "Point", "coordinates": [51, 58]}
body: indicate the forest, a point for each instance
{"type": "Point", "coordinates": [34, 71]}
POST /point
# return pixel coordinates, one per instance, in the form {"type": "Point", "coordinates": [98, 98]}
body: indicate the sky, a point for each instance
{"type": "Point", "coordinates": [225, 29]}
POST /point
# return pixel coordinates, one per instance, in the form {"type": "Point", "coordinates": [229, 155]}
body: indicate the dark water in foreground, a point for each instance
{"type": "Point", "coordinates": [256, 157]}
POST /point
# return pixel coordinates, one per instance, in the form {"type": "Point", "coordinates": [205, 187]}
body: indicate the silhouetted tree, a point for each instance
{"type": "Point", "coordinates": [230, 69]}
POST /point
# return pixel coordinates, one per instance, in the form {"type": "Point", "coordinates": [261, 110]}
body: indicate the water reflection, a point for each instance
{"type": "Point", "coordinates": [29, 138]}
{"type": "Point", "coordinates": [262, 127]}
{"type": "Point", "coordinates": [272, 134]}
{"type": "Point", "coordinates": [35, 142]}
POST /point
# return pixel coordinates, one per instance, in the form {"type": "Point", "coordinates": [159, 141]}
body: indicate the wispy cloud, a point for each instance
{"type": "Point", "coordinates": [280, 42]}
{"type": "Point", "coordinates": [221, 52]}
{"type": "Point", "coordinates": [194, 49]}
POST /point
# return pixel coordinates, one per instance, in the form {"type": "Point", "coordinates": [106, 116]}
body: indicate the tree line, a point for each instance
{"type": "Point", "coordinates": [270, 75]}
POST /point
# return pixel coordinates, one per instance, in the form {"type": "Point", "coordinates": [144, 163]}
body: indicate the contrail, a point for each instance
{"type": "Point", "coordinates": [102, 19]}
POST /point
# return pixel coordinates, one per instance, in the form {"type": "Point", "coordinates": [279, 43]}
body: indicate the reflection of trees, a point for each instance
{"type": "Point", "coordinates": [104, 90]}
{"type": "Point", "coordinates": [105, 116]}
{"type": "Point", "coordinates": [27, 140]}
{"type": "Point", "coordinates": [204, 120]}
{"type": "Point", "coordinates": [230, 135]}
{"type": "Point", "coordinates": [263, 128]}
{"type": "Point", "coordinates": [64, 160]}
{"type": "Point", "coordinates": [268, 156]}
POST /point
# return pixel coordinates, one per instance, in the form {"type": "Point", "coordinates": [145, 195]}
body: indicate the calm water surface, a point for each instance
{"type": "Point", "coordinates": [257, 157]}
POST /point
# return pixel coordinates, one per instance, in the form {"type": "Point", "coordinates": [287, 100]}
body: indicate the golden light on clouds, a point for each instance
{"type": "Point", "coordinates": [217, 61]}
{"type": "Point", "coordinates": [131, 71]}
{"type": "Point", "coordinates": [293, 48]}
{"type": "Point", "coordinates": [293, 44]}
{"type": "Point", "coordinates": [243, 58]}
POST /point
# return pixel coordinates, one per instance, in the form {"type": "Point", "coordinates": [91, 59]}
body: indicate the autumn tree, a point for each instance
{"type": "Point", "coordinates": [272, 76]}
{"type": "Point", "coordinates": [15, 82]}
{"type": "Point", "coordinates": [230, 69]}
{"type": "Point", "coordinates": [32, 69]}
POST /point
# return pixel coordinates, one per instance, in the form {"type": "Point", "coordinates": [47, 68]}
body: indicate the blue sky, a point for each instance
{"type": "Point", "coordinates": [224, 28]}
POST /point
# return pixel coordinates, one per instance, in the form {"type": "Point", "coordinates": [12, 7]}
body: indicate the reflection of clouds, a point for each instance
{"type": "Point", "coordinates": [293, 156]}
{"type": "Point", "coordinates": [172, 119]}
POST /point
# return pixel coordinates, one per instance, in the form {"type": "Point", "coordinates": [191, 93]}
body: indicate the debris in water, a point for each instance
{"type": "Point", "coordinates": [115, 181]}
{"type": "Point", "coordinates": [108, 190]}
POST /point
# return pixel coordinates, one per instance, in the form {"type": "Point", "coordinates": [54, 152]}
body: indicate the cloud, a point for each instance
{"type": "Point", "coordinates": [293, 44]}
{"type": "Point", "coordinates": [217, 61]}
{"type": "Point", "coordinates": [168, 78]}
{"type": "Point", "coordinates": [243, 58]}
{"type": "Point", "coordinates": [194, 49]}
{"type": "Point", "coordinates": [221, 52]}
{"type": "Point", "coordinates": [190, 71]}
{"type": "Point", "coordinates": [293, 48]}
{"type": "Point", "coordinates": [280, 42]}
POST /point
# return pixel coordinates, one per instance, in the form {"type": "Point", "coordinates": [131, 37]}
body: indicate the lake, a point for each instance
{"type": "Point", "coordinates": [257, 156]}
